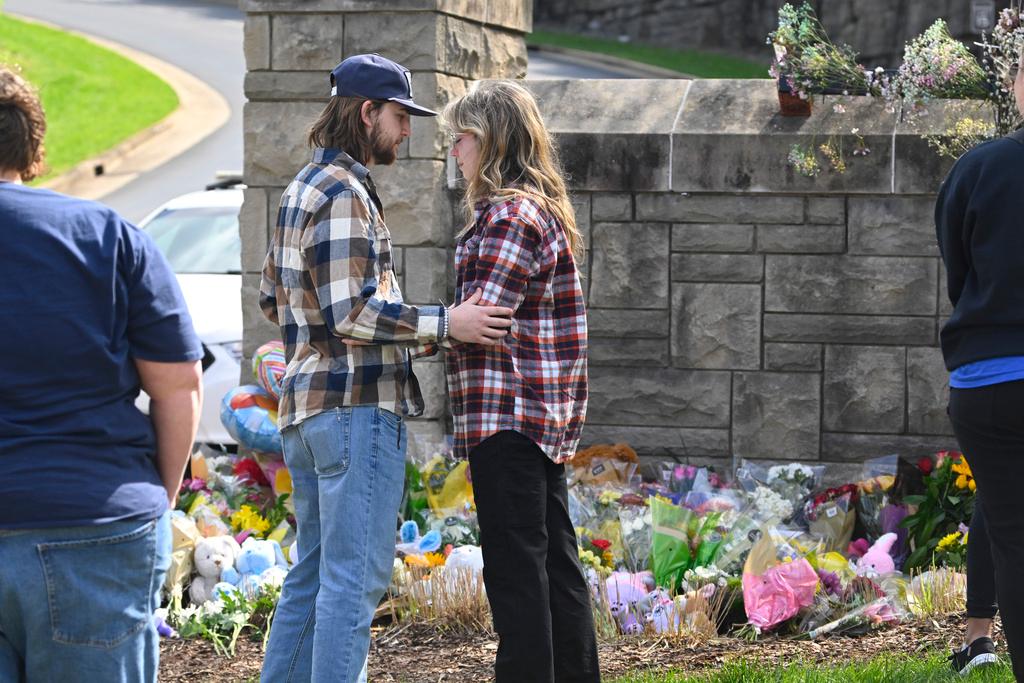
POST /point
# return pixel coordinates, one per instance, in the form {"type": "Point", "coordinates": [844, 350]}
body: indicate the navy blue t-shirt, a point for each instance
{"type": "Point", "coordinates": [84, 293]}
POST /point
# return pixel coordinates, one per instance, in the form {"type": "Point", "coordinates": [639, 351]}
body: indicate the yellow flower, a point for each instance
{"type": "Point", "coordinates": [435, 559]}
{"type": "Point", "coordinates": [248, 517]}
{"type": "Point", "coordinates": [948, 541]}
{"type": "Point", "coordinates": [417, 561]}
{"type": "Point", "coordinates": [964, 480]}
{"type": "Point", "coordinates": [587, 557]}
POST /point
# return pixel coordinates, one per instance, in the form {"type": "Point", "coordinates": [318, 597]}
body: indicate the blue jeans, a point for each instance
{"type": "Point", "coordinates": [348, 469]}
{"type": "Point", "coordinates": [76, 603]}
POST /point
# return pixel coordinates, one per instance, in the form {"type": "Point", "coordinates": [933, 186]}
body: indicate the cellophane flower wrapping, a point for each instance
{"type": "Point", "coordinates": [681, 540]}
{"type": "Point", "coordinates": [831, 521]}
{"type": "Point", "coordinates": [777, 583]}
{"type": "Point", "coordinates": [636, 525]}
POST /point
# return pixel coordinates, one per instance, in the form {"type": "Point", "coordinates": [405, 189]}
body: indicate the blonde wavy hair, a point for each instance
{"type": "Point", "coordinates": [517, 156]}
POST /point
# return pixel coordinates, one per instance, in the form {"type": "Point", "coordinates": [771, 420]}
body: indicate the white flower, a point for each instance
{"type": "Point", "coordinates": [838, 108]}
{"type": "Point", "coordinates": [770, 504]}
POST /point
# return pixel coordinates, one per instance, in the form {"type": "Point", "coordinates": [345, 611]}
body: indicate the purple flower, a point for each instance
{"type": "Point", "coordinates": [830, 582]}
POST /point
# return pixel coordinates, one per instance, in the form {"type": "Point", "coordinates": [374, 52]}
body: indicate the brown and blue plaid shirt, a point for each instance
{"type": "Point", "coordinates": [328, 276]}
{"type": "Point", "coordinates": [535, 380]}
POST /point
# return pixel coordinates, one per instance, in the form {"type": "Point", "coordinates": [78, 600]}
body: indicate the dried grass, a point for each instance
{"type": "Point", "coordinates": [939, 591]}
{"type": "Point", "coordinates": [451, 599]}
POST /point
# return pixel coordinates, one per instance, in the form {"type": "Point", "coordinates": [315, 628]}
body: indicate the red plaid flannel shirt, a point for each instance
{"type": "Point", "coordinates": [535, 381]}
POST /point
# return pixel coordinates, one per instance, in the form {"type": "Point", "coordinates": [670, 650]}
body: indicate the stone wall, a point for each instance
{"type": "Point", "coordinates": [877, 29]}
{"type": "Point", "coordinates": [290, 49]}
{"type": "Point", "coordinates": [736, 308]}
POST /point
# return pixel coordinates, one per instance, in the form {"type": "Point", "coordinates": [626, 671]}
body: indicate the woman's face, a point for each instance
{"type": "Point", "coordinates": [466, 150]}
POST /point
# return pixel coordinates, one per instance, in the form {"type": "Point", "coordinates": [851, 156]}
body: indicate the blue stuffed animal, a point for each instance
{"type": "Point", "coordinates": [260, 564]}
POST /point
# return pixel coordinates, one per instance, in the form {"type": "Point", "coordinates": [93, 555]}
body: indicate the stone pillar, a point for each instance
{"type": "Point", "coordinates": [290, 48]}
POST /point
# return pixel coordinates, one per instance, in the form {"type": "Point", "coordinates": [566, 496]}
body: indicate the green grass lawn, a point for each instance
{"type": "Point", "coordinates": [693, 62]}
{"type": "Point", "coordinates": [896, 668]}
{"type": "Point", "coordinates": [93, 98]}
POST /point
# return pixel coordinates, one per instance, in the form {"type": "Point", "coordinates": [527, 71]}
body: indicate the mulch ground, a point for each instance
{"type": "Point", "coordinates": [421, 654]}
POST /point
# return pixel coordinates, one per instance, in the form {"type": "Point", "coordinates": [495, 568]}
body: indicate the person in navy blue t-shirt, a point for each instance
{"type": "Point", "coordinates": [91, 312]}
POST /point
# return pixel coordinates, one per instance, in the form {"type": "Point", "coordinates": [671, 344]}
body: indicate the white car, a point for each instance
{"type": "Point", "coordinates": [198, 233]}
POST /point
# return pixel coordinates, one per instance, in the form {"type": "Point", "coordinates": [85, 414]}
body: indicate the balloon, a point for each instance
{"type": "Point", "coordinates": [268, 364]}
{"type": "Point", "coordinates": [250, 415]}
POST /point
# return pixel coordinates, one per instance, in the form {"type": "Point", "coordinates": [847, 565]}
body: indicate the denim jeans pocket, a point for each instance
{"type": "Point", "coordinates": [327, 439]}
{"type": "Point", "coordinates": [390, 428]}
{"type": "Point", "coordinates": [100, 590]}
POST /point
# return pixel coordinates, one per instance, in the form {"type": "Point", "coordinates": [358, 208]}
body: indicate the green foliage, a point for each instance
{"type": "Point", "coordinates": [691, 62]}
{"type": "Point", "coordinates": [947, 503]}
{"type": "Point", "coordinates": [223, 621]}
{"type": "Point", "coordinates": [93, 98]}
{"type": "Point", "coordinates": [894, 668]}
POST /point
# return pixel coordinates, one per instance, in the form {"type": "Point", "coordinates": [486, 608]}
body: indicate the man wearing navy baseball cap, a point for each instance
{"type": "Point", "coordinates": [329, 283]}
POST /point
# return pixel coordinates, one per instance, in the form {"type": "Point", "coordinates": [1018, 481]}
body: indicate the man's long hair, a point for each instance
{"type": "Point", "coordinates": [340, 126]}
{"type": "Point", "coordinates": [517, 156]}
{"type": "Point", "coordinates": [22, 127]}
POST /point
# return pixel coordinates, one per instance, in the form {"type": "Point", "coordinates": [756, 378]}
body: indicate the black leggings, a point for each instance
{"type": "Point", "coordinates": [981, 572]}
{"type": "Point", "coordinates": [989, 424]}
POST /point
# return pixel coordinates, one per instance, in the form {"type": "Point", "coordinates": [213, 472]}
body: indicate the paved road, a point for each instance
{"type": "Point", "coordinates": [205, 39]}
{"type": "Point", "coordinates": [202, 38]}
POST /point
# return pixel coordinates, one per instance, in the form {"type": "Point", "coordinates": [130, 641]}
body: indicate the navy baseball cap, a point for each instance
{"type": "Point", "coordinates": [376, 78]}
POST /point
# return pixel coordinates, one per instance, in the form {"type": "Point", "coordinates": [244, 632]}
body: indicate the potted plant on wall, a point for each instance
{"type": "Point", "coordinates": [808, 62]}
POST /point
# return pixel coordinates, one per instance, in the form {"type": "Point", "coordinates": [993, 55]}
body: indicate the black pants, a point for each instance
{"type": "Point", "coordinates": [989, 424]}
{"type": "Point", "coordinates": [538, 594]}
{"type": "Point", "coordinates": [981, 572]}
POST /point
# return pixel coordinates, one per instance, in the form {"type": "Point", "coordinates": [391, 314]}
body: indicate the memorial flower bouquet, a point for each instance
{"type": "Point", "coordinates": [947, 503]}
{"type": "Point", "coordinates": [936, 65]}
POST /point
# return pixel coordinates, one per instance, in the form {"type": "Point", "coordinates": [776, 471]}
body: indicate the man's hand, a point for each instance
{"type": "Point", "coordinates": [469, 322]}
{"type": "Point", "coordinates": [478, 324]}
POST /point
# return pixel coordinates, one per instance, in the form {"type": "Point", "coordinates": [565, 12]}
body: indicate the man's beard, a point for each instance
{"type": "Point", "coordinates": [382, 149]}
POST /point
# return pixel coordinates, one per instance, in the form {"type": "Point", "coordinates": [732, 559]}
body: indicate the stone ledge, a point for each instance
{"type": "Point", "coordinates": [728, 136]}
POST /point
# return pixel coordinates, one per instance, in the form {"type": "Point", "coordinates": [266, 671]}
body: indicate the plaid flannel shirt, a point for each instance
{"type": "Point", "coordinates": [535, 381]}
{"type": "Point", "coordinates": [329, 275]}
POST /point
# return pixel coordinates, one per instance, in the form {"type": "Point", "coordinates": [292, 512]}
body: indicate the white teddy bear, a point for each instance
{"type": "Point", "coordinates": [212, 556]}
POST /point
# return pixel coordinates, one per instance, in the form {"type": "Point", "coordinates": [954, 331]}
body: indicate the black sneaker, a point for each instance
{"type": "Point", "coordinates": [979, 653]}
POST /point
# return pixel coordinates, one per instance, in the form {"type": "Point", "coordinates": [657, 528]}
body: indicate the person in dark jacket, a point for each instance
{"type": "Point", "coordinates": [978, 218]}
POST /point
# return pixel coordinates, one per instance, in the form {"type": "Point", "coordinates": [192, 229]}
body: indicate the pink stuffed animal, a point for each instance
{"type": "Point", "coordinates": [877, 560]}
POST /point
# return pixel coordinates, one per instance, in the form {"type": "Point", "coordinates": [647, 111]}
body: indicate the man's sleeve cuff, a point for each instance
{"type": "Point", "coordinates": [431, 324]}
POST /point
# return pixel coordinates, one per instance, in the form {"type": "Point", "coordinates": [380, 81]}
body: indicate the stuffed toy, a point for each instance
{"type": "Point", "coordinates": [414, 544]}
{"type": "Point", "coordinates": [669, 615]}
{"type": "Point", "coordinates": [212, 557]}
{"type": "Point", "coordinates": [877, 560]}
{"type": "Point", "coordinates": [604, 464]}
{"type": "Point", "coordinates": [466, 557]}
{"type": "Point", "coordinates": [627, 594]}
{"type": "Point", "coordinates": [260, 564]}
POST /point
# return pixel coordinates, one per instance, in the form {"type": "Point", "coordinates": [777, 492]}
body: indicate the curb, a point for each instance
{"type": "Point", "coordinates": [201, 111]}
{"type": "Point", "coordinates": [627, 66]}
